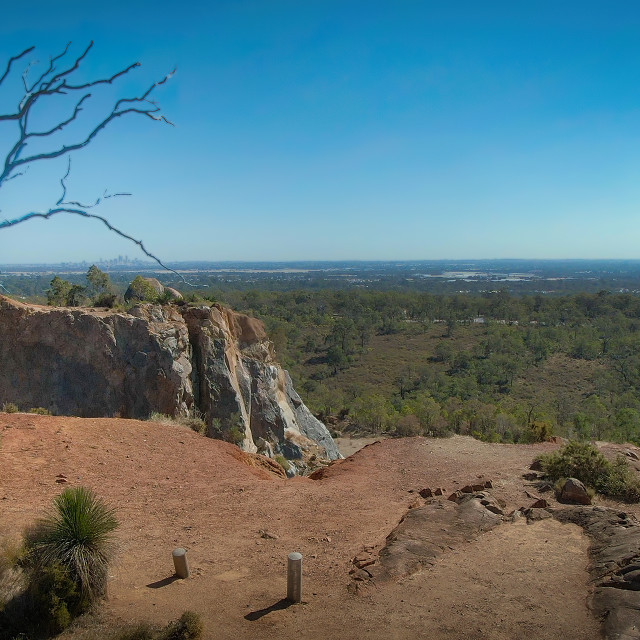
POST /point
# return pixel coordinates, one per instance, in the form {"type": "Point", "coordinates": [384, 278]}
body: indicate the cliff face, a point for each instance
{"type": "Point", "coordinates": [173, 360]}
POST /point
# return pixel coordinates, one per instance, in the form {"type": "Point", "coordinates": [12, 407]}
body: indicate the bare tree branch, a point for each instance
{"type": "Point", "coordinates": [56, 82]}
{"type": "Point", "coordinates": [4, 224]}
{"type": "Point", "coordinates": [12, 60]}
{"type": "Point", "coordinates": [51, 67]}
{"type": "Point", "coordinates": [64, 123]}
{"type": "Point", "coordinates": [75, 203]}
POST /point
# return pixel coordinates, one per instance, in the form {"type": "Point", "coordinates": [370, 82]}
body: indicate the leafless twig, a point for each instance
{"type": "Point", "coordinates": [56, 80]}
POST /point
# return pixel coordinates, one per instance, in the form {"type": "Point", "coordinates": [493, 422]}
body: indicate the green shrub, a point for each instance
{"type": "Point", "coordinates": [195, 423]}
{"type": "Point", "coordinates": [583, 461]}
{"type": "Point", "coordinates": [76, 536]}
{"type": "Point", "coordinates": [229, 429]}
{"type": "Point", "coordinates": [234, 435]}
{"type": "Point", "coordinates": [621, 482]}
{"type": "Point", "coordinates": [188, 627]}
{"type": "Point", "coordinates": [141, 290]}
{"type": "Point", "coordinates": [141, 631]}
{"type": "Point", "coordinates": [11, 578]}
{"type": "Point", "coordinates": [55, 597]}
{"type": "Point", "coordinates": [41, 411]}
{"type": "Point", "coordinates": [408, 426]}
{"type": "Point", "coordinates": [10, 407]}
{"type": "Point", "coordinates": [283, 462]}
{"type": "Point", "coordinates": [108, 300]}
{"type": "Point", "coordinates": [538, 431]}
{"type": "Point", "coordinates": [165, 298]}
{"type": "Point", "coordinates": [162, 418]}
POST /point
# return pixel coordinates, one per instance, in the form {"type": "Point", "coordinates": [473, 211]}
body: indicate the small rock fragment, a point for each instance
{"type": "Point", "coordinates": [361, 564]}
{"type": "Point", "coordinates": [533, 515]}
{"type": "Point", "coordinates": [494, 509]}
{"type": "Point", "coordinates": [267, 534]}
{"type": "Point", "coordinates": [540, 504]}
{"type": "Point", "coordinates": [360, 575]}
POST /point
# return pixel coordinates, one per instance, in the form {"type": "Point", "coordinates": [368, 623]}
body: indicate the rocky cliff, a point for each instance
{"type": "Point", "coordinates": [179, 361]}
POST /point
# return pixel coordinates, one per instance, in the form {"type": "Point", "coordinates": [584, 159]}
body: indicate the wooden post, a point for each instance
{"type": "Point", "coordinates": [180, 562]}
{"type": "Point", "coordinates": [294, 577]}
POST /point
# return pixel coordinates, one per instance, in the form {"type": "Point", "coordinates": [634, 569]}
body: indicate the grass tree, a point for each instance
{"type": "Point", "coordinates": [77, 536]}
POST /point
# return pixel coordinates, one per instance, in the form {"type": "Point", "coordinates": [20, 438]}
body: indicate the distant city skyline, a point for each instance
{"type": "Point", "coordinates": [341, 131]}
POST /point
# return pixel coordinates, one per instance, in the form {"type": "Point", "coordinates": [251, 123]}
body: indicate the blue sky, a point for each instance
{"type": "Point", "coordinates": [345, 130]}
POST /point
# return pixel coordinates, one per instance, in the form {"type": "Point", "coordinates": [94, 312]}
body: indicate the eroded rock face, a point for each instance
{"type": "Point", "coordinates": [158, 358]}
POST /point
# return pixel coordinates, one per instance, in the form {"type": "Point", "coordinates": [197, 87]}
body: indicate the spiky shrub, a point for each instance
{"type": "Point", "coordinates": [77, 536]}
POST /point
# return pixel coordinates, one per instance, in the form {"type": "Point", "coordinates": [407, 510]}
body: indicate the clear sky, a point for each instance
{"type": "Point", "coordinates": [323, 129]}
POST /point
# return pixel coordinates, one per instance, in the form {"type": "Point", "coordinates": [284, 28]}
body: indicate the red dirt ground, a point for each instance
{"type": "Point", "coordinates": [172, 487]}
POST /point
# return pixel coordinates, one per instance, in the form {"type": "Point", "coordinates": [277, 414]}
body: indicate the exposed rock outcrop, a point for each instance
{"type": "Point", "coordinates": [173, 360]}
{"type": "Point", "coordinates": [423, 535]}
{"type": "Point", "coordinates": [614, 567]}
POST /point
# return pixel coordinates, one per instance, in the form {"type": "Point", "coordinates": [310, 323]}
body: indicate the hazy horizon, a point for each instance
{"type": "Point", "coordinates": [145, 262]}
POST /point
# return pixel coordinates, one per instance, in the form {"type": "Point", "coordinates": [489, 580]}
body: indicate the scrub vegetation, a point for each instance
{"type": "Point", "coordinates": [60, 570]}
{"type": "Point", "coordinates": [583, 461]}
{"type": "Point", "coordinates": [499, 367]}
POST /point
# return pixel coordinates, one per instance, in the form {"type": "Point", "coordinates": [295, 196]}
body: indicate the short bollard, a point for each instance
{"type": "Point", "coordinates": [180, 562]}
{"type": "Point", "coordinates": [294, 577]}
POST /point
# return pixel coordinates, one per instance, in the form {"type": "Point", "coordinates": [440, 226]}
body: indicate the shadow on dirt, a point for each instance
{"type": "Point", "coordinates": [278, 606]}
{"type": "Point", "coordinates": [163, 583]}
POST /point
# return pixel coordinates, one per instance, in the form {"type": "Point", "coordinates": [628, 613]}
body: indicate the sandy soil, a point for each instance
{"type": "Point", "coordinates": [349, 446]}
{"type": "Point", "coordinates": [173, 488]}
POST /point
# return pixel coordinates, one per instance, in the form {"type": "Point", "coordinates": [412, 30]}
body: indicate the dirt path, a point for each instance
{"type": "Point", "coordinates": [516, 581]}
{"type": "Point", "coordinates": [172, 488]}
